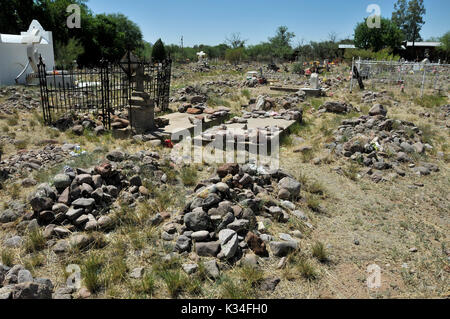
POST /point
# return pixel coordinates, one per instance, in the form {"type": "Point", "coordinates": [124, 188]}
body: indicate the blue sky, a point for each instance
{"type": "Point", "coordinates": [211, 21]}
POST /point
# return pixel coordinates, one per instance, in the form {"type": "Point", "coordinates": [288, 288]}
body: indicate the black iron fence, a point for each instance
{"type": "Point", "coordinates": [102, 90]}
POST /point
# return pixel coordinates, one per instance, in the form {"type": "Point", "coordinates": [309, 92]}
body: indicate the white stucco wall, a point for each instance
{"type": "Point", "coordinates": [13, 55]}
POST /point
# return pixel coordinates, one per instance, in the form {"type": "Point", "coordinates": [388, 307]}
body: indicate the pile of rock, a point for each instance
{"type": "Point", "coordinates": [17, 283]}
{"type": "Point", "coordinates": [226, 216]}
{"type": "Point", "coordinates": [295, 114]}
{"type": "Point", "coordinates": [380, 143]}
{"type": "Point", "coordinates": [337, 107]}
{"type": "Point", "coordinates": [371, 97]}
{"type": "Point", "coordinates": [26, 161]}
{"type": "Point", "coordinates": [77, 123]}
{"type": "Point", "coordinates": [79, 199]}
{"type": "Point", "coordinates": [227, 83]}
{"type": "Point", "coordinates": [262, 103]}
{"type": "Point", "coordinates": [18, 98]}
{"type": "Point", "coordinates": [192, 95]}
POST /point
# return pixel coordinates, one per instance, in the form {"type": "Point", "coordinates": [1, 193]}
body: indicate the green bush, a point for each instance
{"type": "Point", "coordinates": [297, 68]}
{"type": "Point", "coordinates": [382, 55]}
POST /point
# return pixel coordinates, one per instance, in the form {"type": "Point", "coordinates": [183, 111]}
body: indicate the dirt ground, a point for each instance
{"type": "Point", "coordinates": [402, 225]}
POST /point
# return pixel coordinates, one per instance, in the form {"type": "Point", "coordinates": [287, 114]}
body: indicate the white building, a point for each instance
{"type": "Point", "coordinates": [19, 54]}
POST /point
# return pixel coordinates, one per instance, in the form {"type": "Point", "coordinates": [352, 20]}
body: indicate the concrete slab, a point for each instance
{"type": "Point", "coordinates": [248, 135]}
{"type": "Point", "coordinates": [179, 122]}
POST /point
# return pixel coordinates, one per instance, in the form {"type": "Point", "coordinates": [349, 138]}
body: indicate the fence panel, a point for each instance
{"type": "Point", "coordinates": [411, 77]}
{"type": "Point", "coordinates": [100, 91]}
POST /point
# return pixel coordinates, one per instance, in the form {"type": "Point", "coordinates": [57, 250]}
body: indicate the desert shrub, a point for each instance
{"type": "Point", "coordinates": [7, 257]}
{"type": "Point", "coordinates": [175, 281]}
{"type": "Point", "coordinates": [306, 269]}
{"type": "Point", "coordinates": [319, 251]}
{"type": "Point", "coordinates": [297, 68]}
{"type": "Point", "coordinates": [91, 272]}
{"type": "Point", "coordinates": [189, 175]}
{"type": "Point", "coordinates": [35, 241]}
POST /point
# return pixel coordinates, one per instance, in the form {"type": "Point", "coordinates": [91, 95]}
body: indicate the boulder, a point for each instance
{"type": "Point", "coordinates": [197, 221]}
{"type": "Point", "coordinates": [209, 249]}
{"type": "Point", "coordinates": [228, 242]}
{"type": "Point", "coordinates": [282, 249]}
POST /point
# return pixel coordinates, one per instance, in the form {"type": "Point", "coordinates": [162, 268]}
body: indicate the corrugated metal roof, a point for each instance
{"type": "Point", "coordinates": [424, 44]}
{"type": "Point", "coordinates": [347, 46]}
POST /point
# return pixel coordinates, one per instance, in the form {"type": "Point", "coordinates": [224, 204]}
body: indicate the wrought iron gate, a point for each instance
{"type": "Point", "coordinates": [102, 90]}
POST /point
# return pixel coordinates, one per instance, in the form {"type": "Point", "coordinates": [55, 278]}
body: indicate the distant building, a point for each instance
{"type": "Point", "coordinates": [417, 51]}
{"type": "Point", "coordinates": [19, 54]}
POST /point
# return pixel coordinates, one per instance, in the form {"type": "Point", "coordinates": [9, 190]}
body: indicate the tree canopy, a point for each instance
{"type": "Point", "coordinates": [100, 36]}
{"type": "Point", "coordinates": [388, 35]}
{"type": "Point", "coordinates": [408, 16]}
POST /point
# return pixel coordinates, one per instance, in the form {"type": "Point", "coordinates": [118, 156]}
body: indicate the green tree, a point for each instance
{"type": "Point", "coordinates": [281, 42]}
{"type": "Point", "coordinates": [408, 16]}
{"type": "Point", "coordinates": [159, 52]}
{"type": "Point", "coordinates": [235, 41]}
{"type": "Point", "coordinates": [399, 16]}
{"type": "Point", "coordinates": [444, 49]}
{"type": "Point", "coordinates": [387, 36]}
{"type": "Point", "coordinates": [66, 54]}
{"type": "Point", "coordinates": [414, 21]}
{"type": "Point", "coordinates": [234, 55]}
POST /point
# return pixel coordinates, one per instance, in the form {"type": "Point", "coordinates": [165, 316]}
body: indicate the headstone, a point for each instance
{"type": "Point", "coordinates": [314, 81]}
{"type": "Point", "coordinates": [142, 107]}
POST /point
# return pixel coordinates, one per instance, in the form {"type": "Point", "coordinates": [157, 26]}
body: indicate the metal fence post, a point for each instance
{"type": "Point", "coordinates": [351, 80]}
{"type": "Point", "coordinates": [423, 80]}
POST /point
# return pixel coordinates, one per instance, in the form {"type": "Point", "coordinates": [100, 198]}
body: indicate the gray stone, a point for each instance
{"type": "Point", "coordinates": [299, 214]}
{"type": "Point", "coordinates": [80, 241]}
{"type": "Point", "coordinates": [61, 247]}
{"type": "Point", "coordinates": [290, 185]}
{"type": "Point", "coordinates": [228, 242]}
{"type": "Point", "coordinates": [285, 237]}
{"type": "Point", "coordinates": [209, 249]}
{"type": "Point", "coordinates": [183, 244]}
{"type": "Point", "coordinates": [269, 284]}
{"type": "Point", "coordinates": [250, 260]}
{"type": "Point", "coordinates": [239, 225]}
{"type": "Point", "coordinates": [6, 292]}
{"type": "Point", "coordinates": [190, 268]}
{"type": "Point", "coordinates": [72, 214]}
{"type": "Point", "coordinates": [86, 203]}
{"type": "Point", "coordinates": [105, 222]}
{"type": "Point", "coordinates": [282, 249]}
{"type": "Point", "coordinates": [62, 181]}
{"type": "Point", "coordinates": [137, 273]}
{"type": "Point", "coordinates": [116, 156]}
{"type": "Point", "coordinates": [378, 109]}
{"type": "Point", "coordinates": [13, 242]}
{"type": "Point", "coordinates": [24, 276]}
{"type": "Point", "coordinates": [288, 205]}
{"type": "Point", "coordinates": [61, 232]}
{"type": "Point", "coordinates": [197, 221]}
{"type": "Point", "coordinates": [222, 187]}
{"type": "Point", "coordinates": [211, 269]}
{"type": "Point", "coordinates": [31, 290]}
{"type": "Point", "coordinates": [201, 235]}
{"type": "Point", "coordinates": [8, 216]}
{"type": "Point", "coordinates": [60, 208]}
